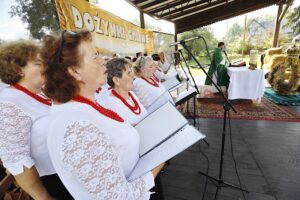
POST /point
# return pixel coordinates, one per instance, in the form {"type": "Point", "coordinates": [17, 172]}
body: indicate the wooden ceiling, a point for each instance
{"type": "Point", "coordinates": [191, 14]}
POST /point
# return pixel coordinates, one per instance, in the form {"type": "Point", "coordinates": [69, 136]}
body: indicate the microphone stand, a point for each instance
{"type": "Point", "coordinates": [187, 77]}
{"type": "Point", "coordinates": [226, 107]}
{"type": "Point", "coordinates": [184, 60]}
{"type": "Point", "coordinates": [190, 73]}
{"type": "Point", "coordinates": [227, 58]}
{"type": "Point", "coordinates": [194, 99]}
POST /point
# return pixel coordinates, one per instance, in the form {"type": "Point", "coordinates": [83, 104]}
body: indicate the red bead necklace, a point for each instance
{"type": "Point", "coordinates": [98, 90]}
{"type": "Point", "coordinates": [136, 109]}
{"type": "Point", "coordinates": [108, 113]}
{"type": "Point", "coordinates": [33, 95]}
{"type": "Point", "coordinates": [152, 82]}
{"type": "Point", "coordinates": [155, 78]}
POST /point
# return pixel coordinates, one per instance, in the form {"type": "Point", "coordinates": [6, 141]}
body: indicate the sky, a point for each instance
{"type": "Point", "coordinates": [226, 24]}
{"type": "Point", "coordinates": [11, 28]}
{"type": "Point", "coordinates": [14, 28]}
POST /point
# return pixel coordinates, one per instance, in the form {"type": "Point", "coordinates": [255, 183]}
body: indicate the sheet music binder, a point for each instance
{"type": "Point", "coordinates": [171, 83]}
{"type": "Point", "coordinates": [185, 95]}
{"type": "Point", "coordinates": [166, 96]}
{"type": "Point", "coordinates": [174, 83]}
{"type": "Point", "coordinates": [163, 134]}
{"type": "Point", "coordinates": [159, 101]}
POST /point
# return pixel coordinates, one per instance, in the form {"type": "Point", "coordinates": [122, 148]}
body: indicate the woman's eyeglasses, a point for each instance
{"type": "Point", "coordinates": [62, 42]}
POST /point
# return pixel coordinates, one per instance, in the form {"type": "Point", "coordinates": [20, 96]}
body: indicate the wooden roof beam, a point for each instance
{"type": "Point", "coordinates": [155, 4]}
{"type": "Point", "coordinates": [183, 8]}
{"type": "Point", "coordinates": [196, 9]}
{"type": "Point", "coordinates": [139, 8]}
{"type": "Point", "coordinates": [166, 7]}
{"type": "Point", "coordinates": [138, 1]}
{"type": "Point", "coordinates": [219, 13]}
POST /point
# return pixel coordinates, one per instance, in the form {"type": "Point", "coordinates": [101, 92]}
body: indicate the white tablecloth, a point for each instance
{"type": "Point", "coordinates": [245, 83]}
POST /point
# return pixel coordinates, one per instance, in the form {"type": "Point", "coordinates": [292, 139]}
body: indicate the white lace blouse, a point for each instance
{"type": "Point", "coordinates": [94, 154]}
{"type": "Point", "coordinates": [119, 107]}
{"type": "Point", "coordinates": [23, 124]}
{"type": "Point", "coordinates": [148, 93]}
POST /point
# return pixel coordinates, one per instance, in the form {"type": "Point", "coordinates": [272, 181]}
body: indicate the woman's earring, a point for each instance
{"type": "Point", "coordinates": [22, 74]}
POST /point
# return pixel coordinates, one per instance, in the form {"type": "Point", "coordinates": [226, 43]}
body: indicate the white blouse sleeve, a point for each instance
{"type": "Point", "coordinates": [15, 128]}
{"type": "Point", "coordinates": [90, 156]}
{"type": "Point", "coordinates": [159, 74]}
{"type": "Point", "coordinates": [144, 98]}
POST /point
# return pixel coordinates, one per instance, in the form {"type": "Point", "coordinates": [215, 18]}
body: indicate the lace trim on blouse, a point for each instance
{"type": "Point", "coordinates": [90, 156]}
{"type": "Point", "coordinates": [15, 127]}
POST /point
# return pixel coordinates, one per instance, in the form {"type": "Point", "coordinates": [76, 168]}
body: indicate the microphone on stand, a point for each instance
{"type": "Point", "coordinates": [184, 41]}
{"type": "Point", "coordinates": [227, 57]}
{"type": "Point", "coordinates": [225, 53]}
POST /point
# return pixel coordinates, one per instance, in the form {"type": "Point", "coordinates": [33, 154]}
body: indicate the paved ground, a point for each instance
{"type": "Point", "coordinates": [267, 155]}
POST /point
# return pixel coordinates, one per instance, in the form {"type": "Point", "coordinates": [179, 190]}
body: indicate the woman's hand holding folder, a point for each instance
{"type": "Point", "coordinates": [157, 169]}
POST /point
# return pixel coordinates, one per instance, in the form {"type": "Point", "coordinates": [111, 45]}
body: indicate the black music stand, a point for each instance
{"type": "Point", "coordinates": [177, 56]}
{"type": "Point", "coordinates": [193, 95]}
{"type": "Point", "coordinates": [193, 80]}
{"type": "Point", "coordinates": [227, 106]}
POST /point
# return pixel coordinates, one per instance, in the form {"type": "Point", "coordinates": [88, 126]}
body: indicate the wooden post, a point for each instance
{"type": "Point", "coordinates": [244, 37]}
{"type": "Point", "coordinates": [277, 26]}
{"type": "Point", "coordinates": [280, 15]}
{"type": "Point", "coordinates": [175, 37]}
{"type": "Point", "coordinates": [142, 19]}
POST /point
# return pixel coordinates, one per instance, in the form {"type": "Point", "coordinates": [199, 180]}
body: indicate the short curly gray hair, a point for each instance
{"type": "Point", "coordinates": [139, 63]}
{"type": "Point", "coordinates": [115, 68]}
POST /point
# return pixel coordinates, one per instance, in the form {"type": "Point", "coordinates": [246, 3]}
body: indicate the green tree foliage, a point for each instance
{"type": "Point", "coordinates": [197, 46]}
{"type": "Point", "coordinates": [233, 40]}
{"type": "Point", "coordinates": [39, 14]}
{"type": "Point", "coordinates": [162, 42]}
{"type": "Point", "coordinates": [293, 20]}
{"type": "Point", "coordinates": [259, 34]}
{"type": "Point", "coordinates": [234, 33]}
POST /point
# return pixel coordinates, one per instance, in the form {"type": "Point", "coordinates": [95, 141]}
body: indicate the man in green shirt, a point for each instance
{"type": "Point", "coordinates": [218, 67]}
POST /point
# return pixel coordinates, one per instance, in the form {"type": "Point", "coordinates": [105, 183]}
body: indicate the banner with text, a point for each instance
{"type": "Point", "coordinates": [111, 34]}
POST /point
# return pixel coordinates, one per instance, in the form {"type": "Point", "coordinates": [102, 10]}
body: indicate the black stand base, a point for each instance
{"type": "Point", "coordinates": [219, 181]}
{"type": "Point", "coordinates": [227, 106]}
{"type": "Point", "coordinates": [222, 183]}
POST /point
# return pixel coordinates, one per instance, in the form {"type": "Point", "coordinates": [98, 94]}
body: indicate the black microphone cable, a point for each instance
{"type": "Point", "coordinates": [207, 160]}
{"type": "Point", "coordinates": [233, 157]}
{"type": "Point", "coordinates": [207, 171]}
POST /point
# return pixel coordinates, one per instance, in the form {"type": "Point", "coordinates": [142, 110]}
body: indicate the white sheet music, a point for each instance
{"type": "Point", "coordinates": [164, 134]}
{"type": "Point", "coordinates": [171, 83]}
{"type": "Point", "coordinates": [170, 148]}
{"type": "Point", "coordinates": [159, 125]}
{"type": "Point", "coordinates": [191, 91]}
{"type": "Point", "coordinates": [183, 83]}
{"type": "Point", "coordinates": [161, 100]}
